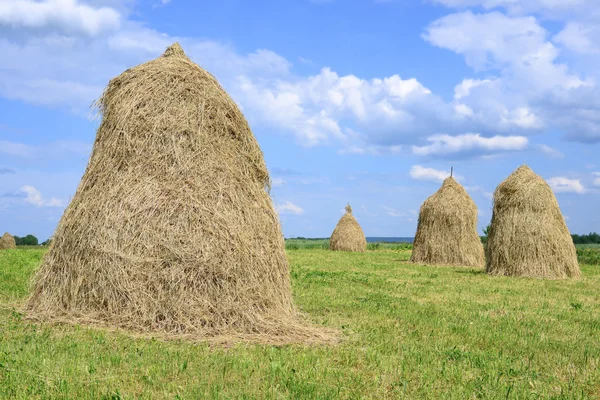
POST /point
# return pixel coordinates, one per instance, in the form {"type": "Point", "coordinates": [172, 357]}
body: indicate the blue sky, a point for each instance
{"type": "Point", "coordinates": [364, 101]}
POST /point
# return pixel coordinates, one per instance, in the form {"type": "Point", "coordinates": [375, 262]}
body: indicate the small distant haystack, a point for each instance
{"type": "Point", "coordinates": [348, 235]}
{"type": "Point", "coordinates": [7, 242]}
{"type": "Point", "coordinates": [528, 235]}
{"type": "Point", "coordinates": [172, 231]}
{"type": "Point", "coordinates": [447, 229]}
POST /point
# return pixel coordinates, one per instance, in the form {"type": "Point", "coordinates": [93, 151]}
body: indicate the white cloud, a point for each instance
{"type": "Point", "coordinates": [373, 150]}
{"type": "Point", "coordinates": [535, 86]}
{"type": "Point", "coordinates": [561, 184]}
{"type": "Point", "coordinates": [470, 143]}
{"type": "Point", "coordinates": [556, 9]}
{"type": "Point", "coordinates": [579, 38]}
{"type": "Point", "coordinates": [277, 182]}
{"type": "Point", "coordinates": [328, 106]}
{"type": "Point", "coordinates": [359, 116]}
{"type": "Point", "coordinates": [464, 88]}
{"type": "Point", "coordinates": [33, 196]}
{"type": "Point", "coordinates": [516, 45]}
{"type": "Point", "coordinates": [523, 118]}
{"type": "Point", "coordinates": [552, 152]}
{"type": "Point", "coordinates": [482, 191]}
{"type": "Point", "coordinates": [430, 174]}
{"type": "Point", "coordinates": [596, 180]}
{"type": "Point", "coordinates": [65, 16]}
{"type": "Point", "coordinates": [392, 212]}
{"type": "Point", "coordinates": [288, 207]}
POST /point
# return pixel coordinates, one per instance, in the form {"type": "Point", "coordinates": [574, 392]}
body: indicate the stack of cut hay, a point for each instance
{"type": "Point", "coordinates": [447, 229]}
{"type": "Point", "coordinates": [172, 231]}
{"type": "Point", "coordinates": [528, 235]}
{"type": "Point", "coordinates": [7, 242]}
{"type": "Point", "coordinates": [348, 235]}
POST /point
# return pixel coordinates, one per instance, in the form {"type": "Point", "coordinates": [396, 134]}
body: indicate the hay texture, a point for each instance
{"type": "Point", "coordinates": [447, 229]}
{"type": "Point", "coordinates": [7, 242]}
{"type": "Point", "coordinates": [528, 235]}
{"type": "Point", "coordinates": [348, 235]}
{"type": "Point", "coordinates": [172, 231]}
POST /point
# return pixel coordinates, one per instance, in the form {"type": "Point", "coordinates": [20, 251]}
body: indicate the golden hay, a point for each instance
{"type": "Point", "coordinates": [172, 231]}
{"type": "Point", "coordinates": [7, 242]}
{"type": "Point", "coordinates": [348, 235]}
{"type": "Point", "coordinates": [447, 229]}
{"type": "Point", "coordinates": [528, 235]}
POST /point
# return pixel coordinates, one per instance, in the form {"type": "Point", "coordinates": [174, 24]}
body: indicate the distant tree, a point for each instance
{"type": "Point", "coordinates": [28, 240]}
{"type": "Point", "coordinates": [591, 238]}
{"type": "Point", "coordinates": [486, 230]}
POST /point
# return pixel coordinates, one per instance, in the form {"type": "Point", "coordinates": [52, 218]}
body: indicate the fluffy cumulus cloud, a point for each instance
{"type": "Point", "coordinates": [470, 143]}
{"type": "Point", "coordinates": [596, 179]}
{"type": "Point", "coordinates": [86, 42]}
{"type": "Point", "coordinates": [547, 8]}
{"type": "Point", "coordinates": [430, 174]}
{"type": "Point", "coordinates": [288, 207]}
{"type": "Point", "coordinates": [34, 197]}
{"type": "Point", "coordinates": [536, 80]}
{"type": "Point", "coordinates": [61, 16]}
{"type": "Point", "coordinates": [560, 184]}
{"type": "Point", "coordinates": [579, 37]}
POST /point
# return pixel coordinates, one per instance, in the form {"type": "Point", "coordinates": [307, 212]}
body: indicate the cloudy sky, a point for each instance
{"type": "Point", "coordinates": [362, 101]}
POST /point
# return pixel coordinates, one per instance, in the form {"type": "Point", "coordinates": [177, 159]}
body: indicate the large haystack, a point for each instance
{"type": "Point", "coordinates": [447, 229]}
{"type": "Point", "coordinates": [7, 242]}
{"type": "Point", "coordinates": [348, 235]}
{"type": "Point", "coordinates": [528, 235]}
{"type": "Point", "coordinates": [172, 231]}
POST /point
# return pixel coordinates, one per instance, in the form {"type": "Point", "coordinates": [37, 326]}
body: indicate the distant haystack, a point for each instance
{"type": "Point", "coordinates": [7, 242]}
{"type": "Point", "coordinates": [348, 235]}
{"type": "Point", "coordinates": [528, 235]}
{"type": "Point", "coordinates": [172, 231]}
{"type": "Point", "coordinates": [447, 229]}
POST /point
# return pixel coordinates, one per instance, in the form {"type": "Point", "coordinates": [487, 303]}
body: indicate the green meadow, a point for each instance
{"type": "Point", "coordinates": [409, 331]}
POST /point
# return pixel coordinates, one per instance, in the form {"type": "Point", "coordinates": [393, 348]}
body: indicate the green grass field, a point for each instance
{"type": "Point", "coordinates": [409, 331]}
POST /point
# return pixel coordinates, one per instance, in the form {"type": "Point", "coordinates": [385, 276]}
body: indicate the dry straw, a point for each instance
{"type": "Point", "coordinates": [348, 235]}
{"type": "Point", "coordinates": [172, 231]}
{"type": "Point", "coordinates": [7, 242]}
{"type": "Point", "coordinates": [528, 235]}
{"type": "Point", "coordinates": [447, 229]}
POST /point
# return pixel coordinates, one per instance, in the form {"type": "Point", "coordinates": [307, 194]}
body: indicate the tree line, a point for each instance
{"type": "Point", "coordinates": [28, 240]}
{"type": "Point", "coordinates": [590, 238]}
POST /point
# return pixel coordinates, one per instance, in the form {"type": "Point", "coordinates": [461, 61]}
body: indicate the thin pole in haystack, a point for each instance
{"type": "Point", "coordinates": [447, 228]}
{"type": "Point", "coordinates": [149, 243]}
{"type": "Point", "coordinates": [528, 235]}
{"type": "Point", "coordinates": [348, 235]}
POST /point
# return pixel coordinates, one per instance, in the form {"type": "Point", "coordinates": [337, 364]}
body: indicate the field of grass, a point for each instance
{"type": "Point", "coordinates": [410, 331]}
{"type": "Point", "coordinates": [323, 244]}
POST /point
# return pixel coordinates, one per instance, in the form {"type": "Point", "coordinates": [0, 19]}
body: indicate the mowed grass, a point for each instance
{"type": "Point", "coordinates": [409, 331]}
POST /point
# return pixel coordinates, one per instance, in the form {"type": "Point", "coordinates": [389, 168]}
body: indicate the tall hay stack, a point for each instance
{"type": "Point", "coordinates": [528, 235]}
{"type": "Point", "coordinates": [447, 229]}
{"type": "Point", "coordinates": [172, 231]}
{"type": "Point", "coordinates": [348, 235]}
{"type": "Point", "coordinates": [7, 242]}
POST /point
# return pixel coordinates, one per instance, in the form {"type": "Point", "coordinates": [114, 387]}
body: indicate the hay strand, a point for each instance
{"type": "Point", "coordinates": [447, 229]}
{"type": "Point", "coordinates": [528, 235]}
{"type": "Point", "coordinates": [348, 235]}
{"type": "Point", "coordinates": [172, 231]}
